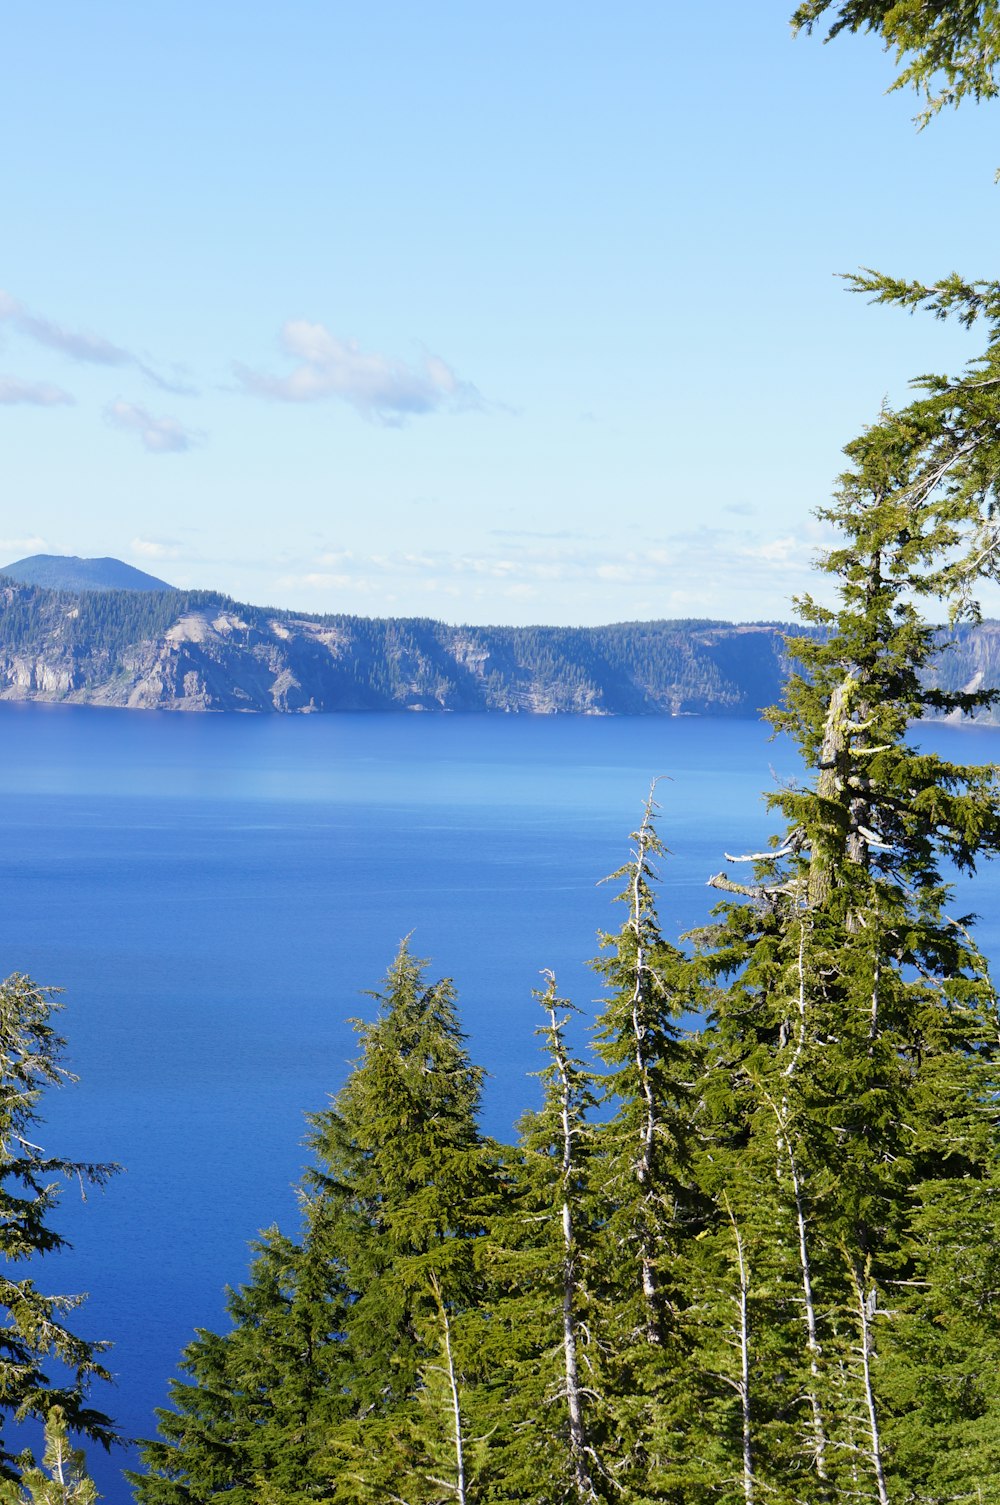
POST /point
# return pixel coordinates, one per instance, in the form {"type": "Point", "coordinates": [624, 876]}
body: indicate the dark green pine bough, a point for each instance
{"type": "Point", "coordinates": [949, 48]}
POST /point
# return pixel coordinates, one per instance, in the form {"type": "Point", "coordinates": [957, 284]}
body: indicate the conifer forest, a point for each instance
{"type": "Point", "coordinates": [752, 1255]}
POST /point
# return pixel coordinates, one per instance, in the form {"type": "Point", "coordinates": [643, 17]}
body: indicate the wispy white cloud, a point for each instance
{"type": "Point", "coordinates": [377, 386]}
{"type": "Point", "coordinates": [40, 394]}
{"type": "Point", "coordinates": [21, 548]}
{"type": "Point", "coordinates": [161, 436]}
{"type": "Point", "coordinates": [559, 533]}
{"type": "Point", "coordinates": [740, 575]}
{"type": "Point", "coordinates": [155, 548]}
{"type": "Point", "coordinates": [77, 344]}
{"type": "Point", "coordinates": [80, 345]}
{"type": "Point", "coordinates": [780, 553]}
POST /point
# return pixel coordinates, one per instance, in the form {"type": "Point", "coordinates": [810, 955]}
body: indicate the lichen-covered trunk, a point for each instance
{"type": "Point", "coordinates": [842, 789]}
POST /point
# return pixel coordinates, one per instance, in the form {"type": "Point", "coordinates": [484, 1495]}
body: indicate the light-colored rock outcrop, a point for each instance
{"type": "Point", "coordinates": [188, 652]}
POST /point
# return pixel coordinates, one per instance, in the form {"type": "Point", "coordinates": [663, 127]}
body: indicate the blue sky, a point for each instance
{"type": "Point", "coordinates": [495, 313]}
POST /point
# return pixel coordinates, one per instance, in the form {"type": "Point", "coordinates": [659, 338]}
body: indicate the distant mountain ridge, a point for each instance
{"type": "Point", "coordinates": [69, 572]}
{"type": "Point", "coordinates": [202, 651]}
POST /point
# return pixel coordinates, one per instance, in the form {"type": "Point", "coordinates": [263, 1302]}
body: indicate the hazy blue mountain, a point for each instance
{"type": "Point", "coordinates": [67, 572]}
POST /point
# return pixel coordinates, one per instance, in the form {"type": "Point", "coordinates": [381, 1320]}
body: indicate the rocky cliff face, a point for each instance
{"type": "Point", "coordinates": [201, 652]}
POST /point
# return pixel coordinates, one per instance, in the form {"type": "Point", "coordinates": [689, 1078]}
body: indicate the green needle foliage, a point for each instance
{"type": "Point", "coordinates": [413, 1185]}
{"type": "Point", "coordinates": [555, 1413]}
{"type": "Point", "coordinates": [853, 1049]}
{"type": "Point", "coordinates": [33, 1330]}
{"type": "Point", "coordinates": [256, 1403]}
{"type": "Point", "coordinates": [62, 1478]}
{"type": "Point", "coordinates": [949, 48]}
{"type": "Point", "coordinates": [644, 1177]}
{"type": "Point", "coordinates": [352, 1367]}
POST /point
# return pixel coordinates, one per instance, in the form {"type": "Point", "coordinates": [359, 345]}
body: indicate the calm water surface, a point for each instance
{"type": "Point", "coordinates": [215, 893]}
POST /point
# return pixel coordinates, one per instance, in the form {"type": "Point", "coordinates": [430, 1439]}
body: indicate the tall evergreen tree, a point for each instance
{"type": "Point", "coordinates": [33, 1330]}
{"type": "Point", "coordinates": [255, 1404]}
{"type": "Point", "coordinates": [552, 1425]}
{"type": "Point", "coordinates": [644, 1178]}
{"type": "Point", "coordinates": [770, 1273]}
{"type": "Point", "coordinates": [351, 1354]}
{"type": "Point", "coordinates": [854, 1057]}
{"type": "Point", "coordinates": [409, 1183]}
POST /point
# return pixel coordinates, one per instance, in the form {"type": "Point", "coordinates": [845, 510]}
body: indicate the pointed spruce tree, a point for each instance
{"type": "Point", "coordinates": [413, 1185]}
{"type": "Point", "coordinates": [549, 1424]}
{"type": "Point", "coordinates": [353, 1351]}
{"type": "Point", "coordinates": [62, 1478]}
{"type": "Point", "coordinates": [254, 1404]}
{"type": "Point", "coordinates": [644, 1178]}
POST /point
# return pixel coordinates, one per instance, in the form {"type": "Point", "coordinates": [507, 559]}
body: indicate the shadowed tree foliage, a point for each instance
{"type": "Point", "coordinates": [43, 1363]}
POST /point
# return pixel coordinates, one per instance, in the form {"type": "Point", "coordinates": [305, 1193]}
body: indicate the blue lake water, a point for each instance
{"type": "Point", "coordinates": [215, 893]}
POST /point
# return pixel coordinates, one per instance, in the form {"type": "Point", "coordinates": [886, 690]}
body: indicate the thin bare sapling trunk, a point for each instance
{"type": "Point", "coordinates": [579, 1450]}
{"type": "Point", "coordinates": [647, 1141]}
{"type": "Point", "coordinates": [743, 1385]}
{"type": "Point", "coordinates": [459, 1488]}
{"type": "Point", "coordinates": [808, 1300]}
{"type": "Point", "coordinates": [785, 1149]}
{"type": "Point", "coordinates": [867, 1302]}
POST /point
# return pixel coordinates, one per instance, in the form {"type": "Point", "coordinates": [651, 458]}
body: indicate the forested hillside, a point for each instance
{"type": "Point", "coordinates": [199, 651]}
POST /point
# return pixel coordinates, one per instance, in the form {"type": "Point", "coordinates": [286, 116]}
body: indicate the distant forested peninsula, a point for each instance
{"type": "Point", "coordinates": [202, 651]}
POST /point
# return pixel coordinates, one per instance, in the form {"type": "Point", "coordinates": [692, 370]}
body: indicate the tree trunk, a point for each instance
{"type": "Point", "coordinates": [819, 1433]}
{"type": "Point", "coordinates": [805, 1269]}
{"type": "Point", "coordinates": [456, 1409]}
{"type": "Point", "coordinates": [830, 789]}
{"type": "Point", "coordinates": [866, 1310]}
{"type": "Point", "coordinates": [644, 1166]}
{"type": "Point", "coordinates": [577, 1430]}
{"type": "Point", "coordinates": [743, 1388]}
